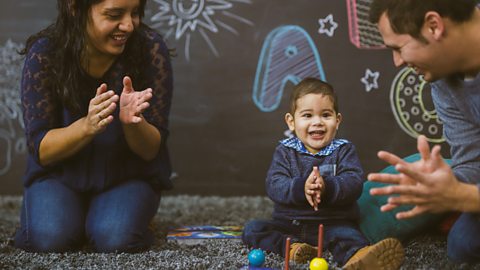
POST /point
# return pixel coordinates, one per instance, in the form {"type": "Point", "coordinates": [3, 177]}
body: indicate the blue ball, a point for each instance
{"type": "Point", "coordinates": [256, 257]}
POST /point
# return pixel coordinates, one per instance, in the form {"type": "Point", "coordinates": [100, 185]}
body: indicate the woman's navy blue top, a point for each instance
{"type": "Point", "coordinates": [107, 159]}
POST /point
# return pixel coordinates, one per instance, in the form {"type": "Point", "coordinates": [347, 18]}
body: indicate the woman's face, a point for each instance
{"type": "Point", "coordinates": [110, 24]}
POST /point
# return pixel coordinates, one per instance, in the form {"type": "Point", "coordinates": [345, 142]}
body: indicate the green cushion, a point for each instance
{"type": "Point", "coordinates": [377, 225]}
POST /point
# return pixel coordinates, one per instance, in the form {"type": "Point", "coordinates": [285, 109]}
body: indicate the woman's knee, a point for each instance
{"type": "Point", "coordinates": [52, 219]}
{"type": "Point", "coordinates": [116, 239]}
{"type": "Point", "coordinates": [48, 238]}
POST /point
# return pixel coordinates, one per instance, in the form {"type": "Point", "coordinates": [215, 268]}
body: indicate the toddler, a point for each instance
{"type": "Point", "coordinates": [315, 179]}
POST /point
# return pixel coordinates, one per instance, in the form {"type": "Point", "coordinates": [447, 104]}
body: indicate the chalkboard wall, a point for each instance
{"type": "Point", "coordinates": [237, 62]}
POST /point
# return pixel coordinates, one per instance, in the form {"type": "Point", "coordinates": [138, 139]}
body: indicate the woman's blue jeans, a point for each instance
{"type": "Point", "coordinates": [55, 218]}
{"type": "Point", "coordinates": [342, 240]}
{"type": "Point", "coordinates": [463, 244]}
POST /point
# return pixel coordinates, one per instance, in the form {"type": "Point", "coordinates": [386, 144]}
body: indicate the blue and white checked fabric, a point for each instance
{"type": "Point", "coordinates": [296, 144]}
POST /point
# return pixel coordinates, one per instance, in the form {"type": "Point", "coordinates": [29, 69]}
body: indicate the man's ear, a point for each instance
{"type": "Point", "coordinates": [434, 24]}
{"type": "Point", "coordinates": [290, 121]}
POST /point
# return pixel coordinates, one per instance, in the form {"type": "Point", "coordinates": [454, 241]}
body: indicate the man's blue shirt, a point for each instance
{"type": "Point", "coordinates": [458, 106]}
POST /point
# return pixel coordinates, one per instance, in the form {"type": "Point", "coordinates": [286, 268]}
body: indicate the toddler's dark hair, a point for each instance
{"type": "Point", "coordinates": [312, 86]}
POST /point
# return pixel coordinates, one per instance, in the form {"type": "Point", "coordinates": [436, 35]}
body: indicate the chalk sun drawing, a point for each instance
{"type": "Point", "coordinates": [182, 18]}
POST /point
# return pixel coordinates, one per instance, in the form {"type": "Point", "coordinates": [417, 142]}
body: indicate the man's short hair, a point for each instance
{"type": "Point", "coordinates": [407, 16]}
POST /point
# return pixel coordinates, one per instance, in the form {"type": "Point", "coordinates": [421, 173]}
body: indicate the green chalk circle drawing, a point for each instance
{"type": "Point", "coordinates": [411, 104]}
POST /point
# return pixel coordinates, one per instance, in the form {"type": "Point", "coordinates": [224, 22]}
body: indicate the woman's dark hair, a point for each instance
{"type": "Point", "coordinates": [407, 16]}
{"type": "Point", "coordinates": [67, 40]}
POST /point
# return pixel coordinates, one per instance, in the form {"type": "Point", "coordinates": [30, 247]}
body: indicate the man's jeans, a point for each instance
{"type": "Point", "coordinates": [342, 240]}
{"type": "Point", "coordinates": [463, 243]}
{"type": "Point", "coordinates": [55, 218]}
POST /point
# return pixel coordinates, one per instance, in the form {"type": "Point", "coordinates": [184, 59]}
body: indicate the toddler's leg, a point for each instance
{"type": "Point", "coordinates": [343, 241]}
{"type": "Point", "coordinates": [268, 235]}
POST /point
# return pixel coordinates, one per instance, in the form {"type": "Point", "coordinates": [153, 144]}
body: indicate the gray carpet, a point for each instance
{"type": "Point", "coordinates": [424, 252]}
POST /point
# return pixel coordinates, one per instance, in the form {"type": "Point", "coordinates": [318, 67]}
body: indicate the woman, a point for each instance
{"type": "Point", "coordinates": [96, 95]}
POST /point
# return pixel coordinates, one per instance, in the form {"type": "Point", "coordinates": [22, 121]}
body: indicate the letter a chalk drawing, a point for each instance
{"type": "Point", "coordinates": [288, 55]}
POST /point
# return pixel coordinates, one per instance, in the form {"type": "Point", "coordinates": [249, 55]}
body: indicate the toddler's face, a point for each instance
{"type": "Point", "coordinates": [315, 122]}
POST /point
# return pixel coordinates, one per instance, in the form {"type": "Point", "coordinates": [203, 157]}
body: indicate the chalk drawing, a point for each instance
{"type": "Point", "coordinates": [288, 55]}
{"type": "Point", "coordinates": [182, 18]}
{"type": "Point", "coordinates": [363, 34]}
{"type": "Point", "coordinates": [370, 80]}
{"type": "Point", "coordinates": [409, 96]}
{"type": "Point", "coordinates": [12, 138]}
{"type": "Point", "coordinates": [327, 26]}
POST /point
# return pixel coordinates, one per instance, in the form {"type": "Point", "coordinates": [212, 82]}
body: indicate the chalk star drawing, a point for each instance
{"type": "Point", "coordinates": [370, 80]}
{"type": "Point", "coordinates": [327, 25]}
{"type": "Point", "coordinates": [184, 17]}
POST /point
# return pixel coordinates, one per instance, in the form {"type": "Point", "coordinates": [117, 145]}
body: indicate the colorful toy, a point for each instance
{"type": "Point", "coordinates": [318, 264]}
{"type": "Point", "coordinates": [320, 241]}
{"type": "Point", "coordinates": [287, 253]}
{"type": "Point", "coordinates": [256, 257]}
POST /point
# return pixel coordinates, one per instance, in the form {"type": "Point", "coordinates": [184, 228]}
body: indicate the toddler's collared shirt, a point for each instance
{"type": "Point", "coordinates": [296, 144]}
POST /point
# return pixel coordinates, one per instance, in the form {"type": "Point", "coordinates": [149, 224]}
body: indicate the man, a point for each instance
{"type": "Point", "coordinates": [440, 39]}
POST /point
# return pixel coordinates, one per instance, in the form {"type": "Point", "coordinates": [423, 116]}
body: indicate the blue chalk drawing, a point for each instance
{"type": "Point", "coordinates": [288, 55]}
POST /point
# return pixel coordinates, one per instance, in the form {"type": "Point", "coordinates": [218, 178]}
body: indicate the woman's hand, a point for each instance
{"type": "Point", "coordinates": [100, 110]}
{"type": "Point", "coordinates": [133, 103]}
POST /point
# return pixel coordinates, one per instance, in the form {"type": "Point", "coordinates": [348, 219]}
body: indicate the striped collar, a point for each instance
{"type": "Point", "coordinates": [296, 144]}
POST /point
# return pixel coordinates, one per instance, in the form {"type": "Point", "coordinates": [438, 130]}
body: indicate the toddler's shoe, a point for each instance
{"type": "Point", "coordinates": [302, 253]}
{"type": "Point", "coordinates": [387, 254]}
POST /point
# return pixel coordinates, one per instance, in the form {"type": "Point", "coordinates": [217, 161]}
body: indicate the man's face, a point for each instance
{"type": "Point", "coordinates": [422, 56]}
